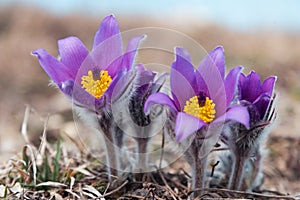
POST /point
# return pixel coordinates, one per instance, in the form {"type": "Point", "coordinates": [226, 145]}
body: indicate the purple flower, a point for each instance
{"type": "Point", "coordinates": [201, 97]}
{"type": "Point", "coordinates": [246, 143]}
{"type": "Point", "coordinates": [256, 95]}
{"type": "Point", "coordinates": [146, 85]}
{"type": "Point", "coordinates": [90, 77]}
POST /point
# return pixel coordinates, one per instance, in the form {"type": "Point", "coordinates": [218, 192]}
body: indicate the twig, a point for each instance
{"type": "Point", "coordinates": [220, 149]}
{"type": "Point", "coordinates": [107, 186]}
{"type": "Point", "coordinates": [183, 188]}
{"type": "Point", "coordinates": [178, 183]}
{"type": "Point", "coordinates": [167, 185]}
{"type": "Point", "coordinates": [243, 193]}
{"type": "Point", "coordinates": [213, 168]}
{"type": "Point", "coordinates": [153, 179]}
{"type": "Point", "coordinates": [185, 173]}
{"type": "Point", "coordinates": [150, 190]}
{"type": "Point", "coordinates": [115, 190]}
{"type": "Point", "coordinates": [157, 197]}
{"type": "Point", "coordinates": [271, 191]}
{"type": "Point", "coordinates": [131, 196]}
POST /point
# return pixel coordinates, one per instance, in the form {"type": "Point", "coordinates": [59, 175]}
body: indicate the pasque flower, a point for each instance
{"type": "Point", "coordinates": [203, 96]}
{"type": "Point", "coordinates": [144, 125]}
{"type": "Point", "coordinates": [89, 77]}
{"type": "Point", "coordinates": [201, 100]}
{"type": "Point", "coordinates": [96, 80]}
{"type": "Point", "coordinates": [256, 96]}
{"type": "Point", "coordinates": [133, 120]}
{"type": "Point", "coordinates": [245, 143]}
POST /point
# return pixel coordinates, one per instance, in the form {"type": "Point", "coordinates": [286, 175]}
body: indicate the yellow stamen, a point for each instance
{"type": "Point", "coordinates": [96, 87]}
{"type": "Point", "coordinates": [205, 111]}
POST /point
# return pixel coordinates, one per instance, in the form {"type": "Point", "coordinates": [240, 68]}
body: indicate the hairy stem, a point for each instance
{"type": "Point", "coordinates": [237, 174]}
{"type": "Point", "coordinates": [111, 132]}
{"type": "Point", "coordinates": [142, 155]}
{"type": "Point", "coordinates": [112, 159]}
{"type": "Point", "coordinates": [118, 143]}
{"type": "Point", "coordinates": [118, 137]}
{"type": "Point", "coordinates": [198, 174]}
{"type": "Point", "coordinates": [198, 165]}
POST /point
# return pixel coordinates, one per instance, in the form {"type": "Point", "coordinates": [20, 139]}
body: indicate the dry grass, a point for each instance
{"type": "Point", "coordinates": [50, 171]}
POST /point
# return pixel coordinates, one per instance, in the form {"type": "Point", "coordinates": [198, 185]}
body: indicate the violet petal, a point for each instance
{"type": "Point", "coordinates": [262, 103]}
{"type": "Point", "coordinates": [251, 88]}
{"type": "Point", "coordinates": [210, 79]}
{"type": "Point", "coordinates": [182, 80]}
{"type": "Point", "coordinates": [158, 98]}
{"type": "Point", "coordinates": [72, 52]}
{"type": "Point", "coordinates": [78, 95]}
{"type": "Point", "coordinates": [57, 71]}
{"type": "Point", "coordinates": [231, 84]}
{"type": "Point", "coordinates": [119, 82]}
{"type": "Point", "coordinates": [216, 57]}
{"type": "Point", "coordinates": [184, 54]}
{"type": "Point", "coordinates": [109, 27]}
{"type": "Point", "coordinates": [108, 43]}
{"type": "Point", "coordinates": [268, 85]}
{"type": "Point", "coordinates": [131, 51]}
{"type": "Point", "coordinates": [186, 125]}
{"type": "Point", "coordinates": [236, 113]}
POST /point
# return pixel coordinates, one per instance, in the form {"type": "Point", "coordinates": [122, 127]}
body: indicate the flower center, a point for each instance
{"type": "Point", "coordinates": [96, 87]}
{"type": "Point", "coordinates": [203, 108]}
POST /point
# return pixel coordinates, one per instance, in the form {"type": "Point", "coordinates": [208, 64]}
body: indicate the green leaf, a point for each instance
{"type": "Point", "coordinates": [56, 161]}
{"type": "Point", "coordinates": [45, 169]}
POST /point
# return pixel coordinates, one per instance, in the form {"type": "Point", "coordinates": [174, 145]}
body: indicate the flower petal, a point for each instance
{"type": "Point", "coordinates": [107, 43]}
{"type": "Point", "coordinates": [182, 79]}
{"type": "Point", "coordinates": [126, 82]}
{"type": "Point", "coordinates": [131, 51]}
{"type": "Point", "coordinates": [210, 79]}
{"type": "Point", "coordinates": [109, 27]}
{"type": "Point", "coordinates": [262, 103]}
{"type": "Point", "coordinates": [242, 82]}
{"type": "Point", "coordinates": [250, 87]}
{"type": "Point", "coordinates": [120, 83]}
{"type": "Point", "coordinates": [114, 67]}
{"type": "Point", "coordinates": [268, 85]}
{"type": "Point", "coordinates": [217, 58]}
{"type": "Point", "coordinates": [236, 113]}
{"type": "Point", "coordinates": [231, 84]}
{"type": "Point", "coordinates": [182, 53]}
{"type": "Point", "coordinates": [201, 83]}
{"type": "Point", "coordinates": [186, 125]}
{"type": "Point", "coordinates": [72, 52]}
{"type": "Point", "coordinates": [78, 95]}
{"type": "Point", "coordinates": [183, 65]}
{"type": "Point", "coordinates": [88, 64]}
{"type": "Point", "coordinates": [158, 98]}
{"type": "Point", "coordinates": [144, 76]}
{"type": "Point", "coordinates": [57, 71]}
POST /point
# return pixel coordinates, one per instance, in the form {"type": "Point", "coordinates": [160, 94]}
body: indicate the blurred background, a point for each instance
{"type": "Point", "coordinates": [260, 35]}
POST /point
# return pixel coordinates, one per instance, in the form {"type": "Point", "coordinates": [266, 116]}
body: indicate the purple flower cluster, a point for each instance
{"type": "Point", "coordinates": [201, 97]}
{"type": "Point", "coordinates": [205, 104]}
{"type": "Point", "coordinates": [246, 142]}
{"type": "Point", "coordinates": [92, 75]}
